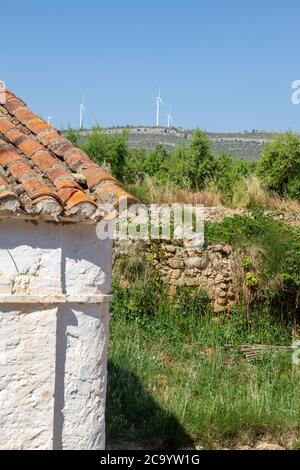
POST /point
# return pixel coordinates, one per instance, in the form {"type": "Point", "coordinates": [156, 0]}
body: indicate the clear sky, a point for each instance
{"type": "Point", "coordinates": [223, 65]}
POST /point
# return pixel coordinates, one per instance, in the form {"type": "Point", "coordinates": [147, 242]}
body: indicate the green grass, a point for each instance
{"type": "Point", "coordinates": [172, 382]}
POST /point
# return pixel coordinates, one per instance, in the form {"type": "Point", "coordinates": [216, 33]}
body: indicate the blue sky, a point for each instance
{"type": "Point", "coordinates": [223, 65]}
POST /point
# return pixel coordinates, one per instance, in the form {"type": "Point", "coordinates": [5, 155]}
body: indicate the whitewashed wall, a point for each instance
{"type": "Point", "coordinates": [55, 285]}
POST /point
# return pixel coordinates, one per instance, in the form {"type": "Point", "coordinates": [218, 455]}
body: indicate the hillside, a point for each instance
{"type": "Point", "coordinates": [244, 145]}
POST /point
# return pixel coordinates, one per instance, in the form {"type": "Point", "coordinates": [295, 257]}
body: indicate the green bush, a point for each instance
{"type": "Point", "coordinates": [134, 163]}
{"type": "Point", "coordinates": [155, 161]}
{"type": "Point", "coordinates": [177, 169]}
{"type": "Point", "coordinates": [279, 166]}
{"type": "Point", "coordinates": [189, 166]}
{"type": "Point", "coordinates": [72, 136]}
{"type": "Point", "coordinates": [105, 149]}
{"type": "Point", "coordinates": [229, 174]}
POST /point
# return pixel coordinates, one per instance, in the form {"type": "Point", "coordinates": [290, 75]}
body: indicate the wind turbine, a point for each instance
{"type": "Point", "coordinates": [158, 103]}
{"type": "Point", "coordinates": [170, 118]}
{"type": "Point", "coordinates": [81, 114]}
{"type": "Point", "coordinates": [49, 118]}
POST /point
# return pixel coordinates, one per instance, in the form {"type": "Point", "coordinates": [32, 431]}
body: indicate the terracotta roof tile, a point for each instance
{"type": "Point", "coordinates": [41, 169]}
{"type": "Point", "coordinates": [20, 171]}
{"type": "Point", "coordinates": [8, 155]}
{"type": "Point", "coordinates": [66, 183]}
{"type": "Point", "coordinates": [96, 175]}
{"type": "Point", "coordinates": [112, 194]}
{"type": "Point", "coordinates": [5, 192]}
{"type": "Point", "coordinates": [28, 146]}
{"type": "Point", "coordinates": [57, 173]}
{"type": "Point", "coordinates": [36, 188]}
{"type": "Point", "coordinates": [48, 135]}
{"type": "Point", "coordinates": [6, 195]}
{"type": "Point", "coordinates": [77, 198]}
{"type": "Point", "coordinates": [24, 115]}
{"type": "Point", "coordinates": [66, 193]}
{"type": "Point", "coordinates": [76, 159]}
{"type": "Point", "coordinates": [9, 95]}
{"type": "Point", "coordinates": [60, 146]}
{"type": "Point", "coordinates": [6, 95]}
{"type": "Point", "coordinates": [13, 135]}
{"type": "Point", "coordinates": [36, 125]}
{"type": "Point", "coordinates": [6, 124]}
{"type": "Point", "coordinates": [44, 160]}
{"type": "Point", "coordinates": [13, 104]}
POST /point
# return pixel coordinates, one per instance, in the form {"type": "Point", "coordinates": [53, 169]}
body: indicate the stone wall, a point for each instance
{"type": "Point", "coordinates": [211, 268]}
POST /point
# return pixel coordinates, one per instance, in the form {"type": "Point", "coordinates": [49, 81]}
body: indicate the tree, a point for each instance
{"type": "Point", "coordinates": [134, 164]}
{"type": "Point", "coordinates": [106, 149]}
{"type": "Point", "coordinates": [155, 161]}
{"type": "Point", "coordinates": [202, 163]}
{"type": "Point", "coordinates": [279, 166]}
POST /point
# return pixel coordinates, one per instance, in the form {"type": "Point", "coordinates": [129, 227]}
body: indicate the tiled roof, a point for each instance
{"type": "Point", "coordinates": [43, 174]}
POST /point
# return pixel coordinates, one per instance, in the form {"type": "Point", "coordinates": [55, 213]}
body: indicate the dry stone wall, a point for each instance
{"type": "Point", "coordinates": [213, 268]}
{"type": "Point", "coordinates": [210, 268]}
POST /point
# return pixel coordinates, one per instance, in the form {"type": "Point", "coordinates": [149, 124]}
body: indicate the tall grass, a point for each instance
{"type": "Point", "coordinates": [152, 192]}
{"type": "Point", "coordinates": [248, 193]}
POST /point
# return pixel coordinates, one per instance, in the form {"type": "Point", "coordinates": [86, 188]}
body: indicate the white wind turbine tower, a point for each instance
{"type": "Point", "coordinates": [81, 114]}
{"type": "Point", "coordinates": [49, 118]}
{"type": "Point", "coordinates": [158, 103]}
{"type": "Point", "coordinates": [170, 118]}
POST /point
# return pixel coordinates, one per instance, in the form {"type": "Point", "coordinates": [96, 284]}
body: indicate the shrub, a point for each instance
{"type": "Point", "coordinates": [189, 166]}
{"type": "Point", "coordinates": [112, 150]}
{"type": "Point", "coordinates": [249, 193]}
{"type": "Point", "coordinates": [202, 163]}
{"type": "Point", "coordinates": [72, 136]}
{"type": "Point", "coordinates": [279, 166]}
{"type": "Point", "coordinates": [155, 162]}
{"type": "Point", "coordinates": [134, 163]}
{"type": "Point", "coordinates": [251, 280]}
{"type": "Point", "coordinates": [176, 169]}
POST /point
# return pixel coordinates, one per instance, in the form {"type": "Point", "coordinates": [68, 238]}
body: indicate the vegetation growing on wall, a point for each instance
{"type": "Point", "coordinates": [270, 251]}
